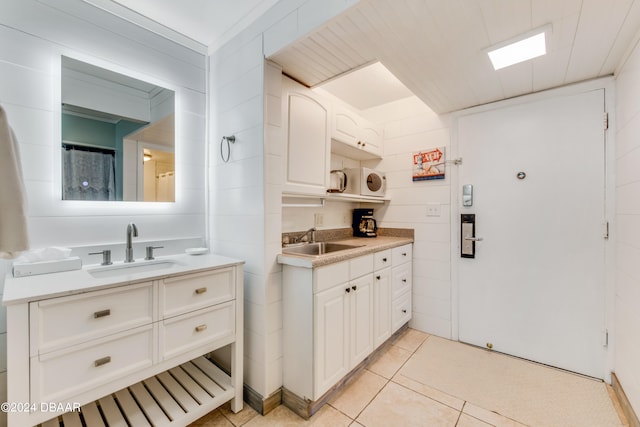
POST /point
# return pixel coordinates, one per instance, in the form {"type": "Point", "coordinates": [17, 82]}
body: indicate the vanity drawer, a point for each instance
{"type": "Point", "coordinates": [402, 254]}
{"type": "Point", "coordinates": [61, 322]}
{"type": "Point", "coordinates": [183, 294]}
{"type": "Point", "coordinates": [189, 331]}
{"type": "Point", "coordinates": [400, 280]}
{"type": "Point", "coordinates": [381, 259]}
{"type": "Point", "coordinates": [68, 372]}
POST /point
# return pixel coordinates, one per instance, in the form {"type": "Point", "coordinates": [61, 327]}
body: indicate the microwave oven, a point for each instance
{"type": "Point", "coordinates": [365, 182]}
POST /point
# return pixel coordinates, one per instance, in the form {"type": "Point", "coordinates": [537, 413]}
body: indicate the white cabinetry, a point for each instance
{"type": "Point", "coordinates": [401, 286]}
{"type": "Point", "coordinates": [336, 315]}
{"type": "Point", "coordinates": [84, 347]}
{"type": "Point", "coordinates": [307, 154]}
{"type": "Point", "coordinates": [381, 297]}
{"type": "Point", "coordinates": [353, 136]}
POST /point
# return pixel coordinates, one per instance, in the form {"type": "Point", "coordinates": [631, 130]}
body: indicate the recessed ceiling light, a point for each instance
{"type": "Point", "coordinates": [528, 46]}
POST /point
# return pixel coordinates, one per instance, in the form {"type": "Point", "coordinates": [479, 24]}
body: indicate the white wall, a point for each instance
{"type": "Point", "coordinates": [409, 127]}
{"type": "Point", "coordinates": [245, 195]}
{"type": "Point", "coordinates": [33, 36]}
{"type": "Point", "coordinates": [627, 316]}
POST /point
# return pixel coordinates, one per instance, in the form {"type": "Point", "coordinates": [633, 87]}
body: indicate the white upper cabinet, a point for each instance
{"type": "Point", "coordinates": [307, 154]}
{"type": "Point", "coordinates": [353, 136]}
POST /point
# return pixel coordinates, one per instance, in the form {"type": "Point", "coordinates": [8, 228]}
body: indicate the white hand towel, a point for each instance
{"type": "Point", "coordinates": [13, 219]}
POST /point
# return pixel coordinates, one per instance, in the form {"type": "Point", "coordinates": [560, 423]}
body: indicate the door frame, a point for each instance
{"type": "Point", "coordinates": [606, 83]}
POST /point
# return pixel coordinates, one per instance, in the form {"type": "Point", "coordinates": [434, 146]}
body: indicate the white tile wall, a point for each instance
{"type": "Point", "coordinates": [627, 318]}
{"type": "Point", "coordinates": [409, 127]}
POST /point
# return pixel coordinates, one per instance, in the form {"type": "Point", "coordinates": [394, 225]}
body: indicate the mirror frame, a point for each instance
{"type": "Point", "coordinates": [57, 141]}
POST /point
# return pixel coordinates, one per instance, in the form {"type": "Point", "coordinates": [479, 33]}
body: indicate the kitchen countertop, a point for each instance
{"type": "Point", "coordinates": [366, 245]}
{"type": "Point", "coordinates": [32, 288]}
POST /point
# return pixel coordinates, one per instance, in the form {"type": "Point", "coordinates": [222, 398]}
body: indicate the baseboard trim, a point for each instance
{"type": "Point", "coordinates": [625, 405]}
{"type": "Point", "coordinates": [261, 405]}
{"type": "Point", "coordinates": [306, 408]}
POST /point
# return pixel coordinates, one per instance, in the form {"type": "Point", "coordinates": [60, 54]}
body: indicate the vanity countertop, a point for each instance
{"type": "Point", "coordinates": [32, 288]}
{"type": "Point", "coordinates": [366, 245]}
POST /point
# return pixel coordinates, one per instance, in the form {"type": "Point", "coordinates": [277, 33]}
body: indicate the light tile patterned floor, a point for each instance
{"type": "Point", "coordinates": [424, 380]}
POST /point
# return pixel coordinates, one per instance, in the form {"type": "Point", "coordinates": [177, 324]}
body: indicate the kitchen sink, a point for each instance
{"type": "Point", "coordinates": [318, 248]}
{"type": "Point", "coordinates": [130, 268]}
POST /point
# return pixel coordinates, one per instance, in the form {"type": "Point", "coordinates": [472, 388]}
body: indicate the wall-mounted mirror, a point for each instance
{"type": "Point", "coordinates": [118, 136]}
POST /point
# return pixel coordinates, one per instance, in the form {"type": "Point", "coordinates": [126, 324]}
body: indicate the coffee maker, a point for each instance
{"type": "Point", "coordinates": [363, 223]}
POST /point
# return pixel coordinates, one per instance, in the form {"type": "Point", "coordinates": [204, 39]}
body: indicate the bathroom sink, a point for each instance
{"type": "Point", "coordinates": [130, 268]}
{"type": "Point", "coordinates": [318, 248]}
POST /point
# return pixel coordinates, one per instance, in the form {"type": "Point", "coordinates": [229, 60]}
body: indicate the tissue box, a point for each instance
{"type": "Point", "coordinates": [23, 269]}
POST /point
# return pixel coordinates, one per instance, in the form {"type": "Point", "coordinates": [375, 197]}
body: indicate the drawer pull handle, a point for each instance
{"type": "Point", "coordinates": [201, 291]}
{"type": "Point", "coordinates": [404, 280]}
{"type": "Point", "coordinates": [101, 313]}
{"type": "Point", "coordinates": [404, 254]}
{"type": "Point", "coordinates": [404, 311]}
{"type": "Point", "coordinates": [102, 361]}
{"type": "Point", "coordinates": [384, 260]}
{"type": "Point", "coordinates": [201, 328]}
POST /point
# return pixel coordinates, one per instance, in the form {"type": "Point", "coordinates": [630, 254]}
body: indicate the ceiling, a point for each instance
{"type": "Point", "coordinates": [209, 23]}
{"type": "Point", "coordinates": [437, 48]}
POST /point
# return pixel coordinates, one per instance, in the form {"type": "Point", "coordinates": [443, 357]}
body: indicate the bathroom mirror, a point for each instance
{"type": "Point", "coordinates": [118, 136]}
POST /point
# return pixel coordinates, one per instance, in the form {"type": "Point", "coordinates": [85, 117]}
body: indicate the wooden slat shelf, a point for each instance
{"type": "Point", "coordinates": [173, 398]}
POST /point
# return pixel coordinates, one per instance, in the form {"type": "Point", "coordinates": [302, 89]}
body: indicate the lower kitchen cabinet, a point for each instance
{"type": "Point", "coordinates": [334, 317]}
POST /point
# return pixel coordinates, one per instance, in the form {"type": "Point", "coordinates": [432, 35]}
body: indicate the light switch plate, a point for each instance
{"type": "Point", "coordinates": [433, 209]}
{"type": "Point", "coordinates": [318, 219]}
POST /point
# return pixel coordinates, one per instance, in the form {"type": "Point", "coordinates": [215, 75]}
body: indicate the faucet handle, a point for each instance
{"type": "Point", "coordinates": [150, 249]}
{"type": "Point", "coordinates": [106, 256]}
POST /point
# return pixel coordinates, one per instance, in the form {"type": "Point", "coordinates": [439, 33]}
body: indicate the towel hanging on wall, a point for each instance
{"type": "Point", "coordinates": [13, 219]}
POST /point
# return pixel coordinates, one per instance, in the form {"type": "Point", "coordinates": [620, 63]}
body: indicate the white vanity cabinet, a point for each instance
{"type": "Point", "coordinates": [307, 153]}
{"type": "Point", "coordinates": [353, 136]}
{"type": "Point", "coordinates": [401, 274]}
{"type": "Point", "coordinates": [140, 341]}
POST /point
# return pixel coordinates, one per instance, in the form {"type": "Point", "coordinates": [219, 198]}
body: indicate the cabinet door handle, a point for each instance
{"type": "Point", "coordinates": [404, 254]}
{"type": "Point", "coordinates": [201, 291]}
{"type": "Point", "coordinates": [354, 287]}
{"type": "Point", "coordinates": [404, 310]}
{"type": "Point", "coordinates": [102, 361]}
{"type": "Point", "coordinates": [101, 313]}
{"type": "Point", "coordinates": [384, 260]}
{"type": "Point", "coordinates": [347, 290]}
{"type": "Point", "coordinates": [404, 280]}
{"type": "Point", "coordinates": [201, 328]}
{"type": "Point", "coordinates": [377, 277]}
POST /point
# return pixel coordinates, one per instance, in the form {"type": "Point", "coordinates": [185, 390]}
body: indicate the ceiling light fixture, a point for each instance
{"type": "Point", "coordinates": [527, 46]}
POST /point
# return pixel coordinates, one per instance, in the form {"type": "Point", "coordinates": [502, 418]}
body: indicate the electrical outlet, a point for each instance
{"type": "Point", "coordinates": [318, 219]}
{"type": "Point", "coordinates": [433, 209]}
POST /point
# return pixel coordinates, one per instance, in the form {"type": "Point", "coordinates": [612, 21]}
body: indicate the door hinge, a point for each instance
{"type": "Point", "coordinates": [605, 338]}
{"type": "Point", "coordinates": [605, 231]}
{"type": "Point", "coordinates": [606, 121]}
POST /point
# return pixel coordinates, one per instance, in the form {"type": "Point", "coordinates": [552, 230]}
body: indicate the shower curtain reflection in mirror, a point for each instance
{"type": "Point", "coordinates": [88, 173]}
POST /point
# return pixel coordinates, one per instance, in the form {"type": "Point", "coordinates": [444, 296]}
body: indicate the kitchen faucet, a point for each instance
{"type": "Point", "coordinates": [312, 230]}
{"type": "Point", "coordinates": [132, 230]}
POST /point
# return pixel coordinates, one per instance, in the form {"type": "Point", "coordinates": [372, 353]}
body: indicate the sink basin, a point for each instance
{"type": "Point", "coordinates": [130, 268]}
{"type": "Point", "coordinates": [318, 248]}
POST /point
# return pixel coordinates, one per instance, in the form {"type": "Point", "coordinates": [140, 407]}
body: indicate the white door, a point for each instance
{"type": "Point", "coordinates": [535, 288]}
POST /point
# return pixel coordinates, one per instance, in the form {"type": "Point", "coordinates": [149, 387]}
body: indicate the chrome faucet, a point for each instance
{"type": "Point", "coordinates": [312, 230]}
{"type": "Point", "coordinates": [132, 230]}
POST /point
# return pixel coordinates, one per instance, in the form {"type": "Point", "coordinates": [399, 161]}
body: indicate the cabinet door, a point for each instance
{"type": "Point", "coordinates": [345, 126]}
{"type": "Point", "coordinates": [361, 317]}
{"type": "Point", "coordinates": [331, 330]}
{"type": "Point", "coordinates": [307, 137]}
{"type": "Point", "coordinates": [372, 139]}
{"type": "Point", "coordinates": [381, 306]}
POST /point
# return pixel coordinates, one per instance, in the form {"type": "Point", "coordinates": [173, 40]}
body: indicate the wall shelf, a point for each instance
{"type": "Point", "coordinates": [292, 200]}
